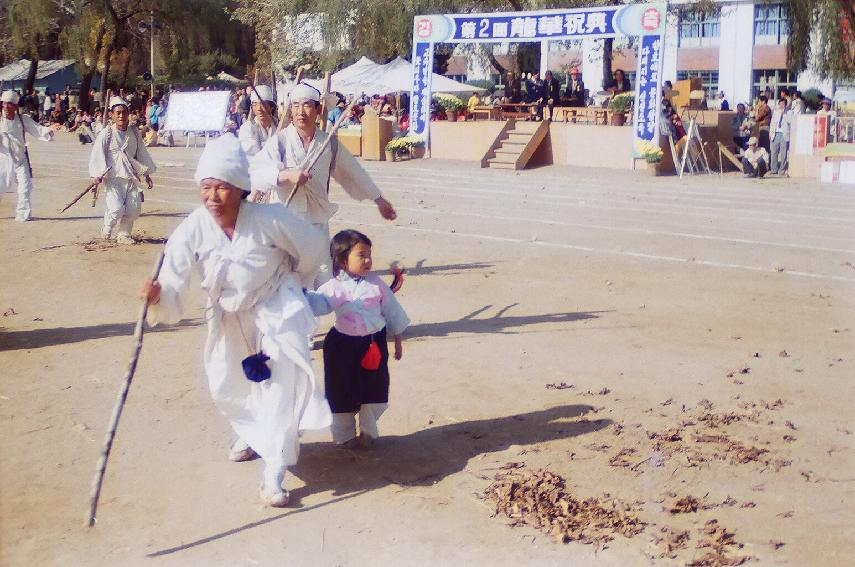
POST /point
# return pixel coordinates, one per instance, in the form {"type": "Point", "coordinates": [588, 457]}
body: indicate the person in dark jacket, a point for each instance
{"type": "Point", "coordinates": [551, 92]}
{"type": "Point", "coordinates": [575, 91]}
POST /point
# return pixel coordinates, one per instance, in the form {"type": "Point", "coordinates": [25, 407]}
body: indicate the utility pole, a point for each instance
{"type": "Point", "coordinates": [151, 62]}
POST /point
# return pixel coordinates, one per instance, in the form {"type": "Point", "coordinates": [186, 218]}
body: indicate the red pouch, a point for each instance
{"type": "Point", "coordinates": [371, 358]}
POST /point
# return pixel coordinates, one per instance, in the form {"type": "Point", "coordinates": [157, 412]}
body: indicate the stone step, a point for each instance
{"type": "Point", "coordinates": [500, 165]}
{"type": "Point", "coordinates": [513, 149]}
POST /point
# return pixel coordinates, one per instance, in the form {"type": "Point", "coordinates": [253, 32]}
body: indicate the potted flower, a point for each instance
{"type": "Point", "coordinates": [618, 107]}
{"type": "Point", "coordinates": [416, 146]}
{"type": "Point", "coordinates": [650, 153]}
{"type": "Point", "coordinates": [396, 147]}
{"type": "Point", "coordinates": [452, 105]}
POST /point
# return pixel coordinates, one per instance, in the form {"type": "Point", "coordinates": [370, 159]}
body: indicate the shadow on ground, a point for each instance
{"type": "Point", "coordinates": [421, 458]}
{"type": "Point", "coordinates": [40, 338]}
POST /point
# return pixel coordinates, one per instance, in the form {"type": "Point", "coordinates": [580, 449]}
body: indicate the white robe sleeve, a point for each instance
{"type": "Point", "coordinates": [143, 156]}
{"type": "Point", "coordinates": [303, 242]}
{"type": "Point", "coordinates": [98, 157]}
{"type": "Point", "coordinates": [174, 277]}
{"type": "Point", "coordinates": [352, 177]}
{"type": "Point", "coordinates": [264, 167]}
{"type": "Point", "coordinates": [248, 140]}
{"type": "Point", "coordinates": [43, 133]}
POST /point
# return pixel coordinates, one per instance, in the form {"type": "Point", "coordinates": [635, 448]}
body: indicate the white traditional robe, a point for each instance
{"type": "Point", "coordinates": [126, 154]}
{"type": "Point", "coordinates": [285, 150]}
{"type": "Point", "coordinates": [253, 136]}
{"type": "Point", "coordinates": [14, 168]}
{"type": "Point", "coordinates": [254, 284]}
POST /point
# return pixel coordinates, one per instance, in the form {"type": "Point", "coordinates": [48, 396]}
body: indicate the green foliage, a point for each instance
{"type": "Point", "coordinates": [822, 35]}
{"type": "Point", "coordinates": [621, 102]}
{"type": "Point", "coordinates": [485, 84]}
{"type": "Point", "coordinates": [813, 98]}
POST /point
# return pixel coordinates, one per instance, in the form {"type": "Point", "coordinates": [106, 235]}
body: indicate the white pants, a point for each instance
{"type": "Point", "coordinates": [123, 206]}
{"type": "Point", "coordinates": [344, 424]}
{"type": "Point", "coordinates": [21, 177]}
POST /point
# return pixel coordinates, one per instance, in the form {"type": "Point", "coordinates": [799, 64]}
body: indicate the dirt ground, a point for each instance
{"type": "Point", "coordinates": [677, 351]}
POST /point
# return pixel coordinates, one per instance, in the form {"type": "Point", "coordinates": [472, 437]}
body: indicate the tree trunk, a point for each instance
{"type": "Point", "coordinates": [31, 75]}
{"type": "Point", "coordinates": [106, 73]}
{"type": "Point", "coordinates": [488, 51]}
{"type": "Point", "coordinates": [85, 85]}
{"type": "Point", "coordinates": [607, 61]}
{"type": "Point", "coordinates": [125, 68]}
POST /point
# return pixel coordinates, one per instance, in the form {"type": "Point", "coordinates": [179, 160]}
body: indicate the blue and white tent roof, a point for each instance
{"type": "Point", "coordinates": [18, 70]}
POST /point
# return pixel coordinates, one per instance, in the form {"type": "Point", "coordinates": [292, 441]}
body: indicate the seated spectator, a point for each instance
{"type": "Point", "coordinates": [575, 91]}
{"type": "Point", "coordinates": [404, 123]}
{"type": "Point", "coordinates": [474, 100]}
{"type": "Point", "coordinates": [620, 83]}
{"type": "Point", "coordinates": [722, 102]}
{"type": "Point", "coordinates": [755, 160]}
{"type": "Point", "coordinates": [741, 125]}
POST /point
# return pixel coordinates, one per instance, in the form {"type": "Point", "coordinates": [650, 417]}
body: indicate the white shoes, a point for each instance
{"type": "Point", "coordinates": [124, 238]}
{"type": "Point", "coordinates": [21, 218]}
{"type": "Point", "coordinates": [106, 233]}
{"type": "Point", "coordinates": [241, 452]}
{"type": "Point", "coordinates": [275, 498]}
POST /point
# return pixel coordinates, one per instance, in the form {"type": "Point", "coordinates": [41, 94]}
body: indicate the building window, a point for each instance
{"type": "Point", "coordinates": [770, 82]}
{"type": "Point", "coordinates": [699, 28]}
{"type": "Point", "coordinates": [709, 81]}
{"type": "Point", "coordinates": [771, 26]}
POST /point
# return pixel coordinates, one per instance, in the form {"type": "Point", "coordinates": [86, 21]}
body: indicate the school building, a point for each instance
{"type": "Point", "coordinates": [739, 47]}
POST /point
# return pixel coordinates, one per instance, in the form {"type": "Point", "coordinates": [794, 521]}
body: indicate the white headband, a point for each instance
{"type": "Point", "coordinates": [304, 92]}
{"type": "Point", "coordinates": [224, 159]}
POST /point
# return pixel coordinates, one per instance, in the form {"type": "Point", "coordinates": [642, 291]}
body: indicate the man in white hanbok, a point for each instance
{"type": "Point", "coordinates": [120, 148]}
{"type": "Point", "coordinates": [261, 126]}
{"type": "Point", "coordinates": [253, 261]}
{"type": "Point", "coordinates": [14, 163]}
{"type": "Point", "coordinates": [276, 168]}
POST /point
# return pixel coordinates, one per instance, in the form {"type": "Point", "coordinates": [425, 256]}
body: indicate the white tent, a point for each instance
{"type": "Point", "coordinates": [370, 78]}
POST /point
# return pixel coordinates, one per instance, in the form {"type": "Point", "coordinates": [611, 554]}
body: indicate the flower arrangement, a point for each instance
{"type": "Point", "coordinates": [398, 146]}
{"type": "Point", "coordinates": [404, 144]}
{"type": "Point", "coordinates": [621, 103]}
{"type": "Point", "coordinates": [449, 102]}
{"type": "Point", "coordinates": [651, 152]}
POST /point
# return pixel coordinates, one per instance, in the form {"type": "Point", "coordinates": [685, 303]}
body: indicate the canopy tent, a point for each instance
{"type": "Point", "coordinates": [370, 78]}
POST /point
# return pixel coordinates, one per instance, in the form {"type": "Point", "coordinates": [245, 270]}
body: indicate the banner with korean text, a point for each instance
{"type": "Point", "coordinates": [646, 21]}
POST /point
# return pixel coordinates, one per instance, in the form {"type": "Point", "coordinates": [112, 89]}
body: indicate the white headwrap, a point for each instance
{"type": "Point", "coordinates": [116, 101]}
{"type": "Point", "coordinates": [224, 159]}
{"type": "Point", "coordinates": [10, 96]}
{"type": "Point", "coordinates": [304, 92]}
{"type": "Point", "coordinates": [265, 92]}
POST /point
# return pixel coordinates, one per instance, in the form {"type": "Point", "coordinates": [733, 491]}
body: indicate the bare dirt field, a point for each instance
{"type": "Point", "coordinates": [604, 368]}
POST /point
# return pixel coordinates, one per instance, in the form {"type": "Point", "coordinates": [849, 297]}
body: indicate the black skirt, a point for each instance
{"type": "Point", "coordinates": [346, 384]}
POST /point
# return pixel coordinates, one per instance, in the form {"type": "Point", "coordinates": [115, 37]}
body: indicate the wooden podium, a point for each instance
{"type": "Point", "coordinates": [376, 133]}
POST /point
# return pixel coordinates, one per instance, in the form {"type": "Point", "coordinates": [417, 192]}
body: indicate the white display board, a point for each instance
{"type": "Point", "coordinates": [803, 139]}
{"type": "Point", "coordinates": [203, 111]}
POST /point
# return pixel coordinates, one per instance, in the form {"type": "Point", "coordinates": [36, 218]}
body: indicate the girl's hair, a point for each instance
{"type": "Point", "coordinates": [341, 245]}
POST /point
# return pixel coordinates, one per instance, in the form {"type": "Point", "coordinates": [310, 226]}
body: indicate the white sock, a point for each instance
{"type": "Point", "coordinates": [273, 477]}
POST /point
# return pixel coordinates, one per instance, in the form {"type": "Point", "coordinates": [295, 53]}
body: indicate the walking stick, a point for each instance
{"type": "Point", "coordinates": [311, 160]}
{"type": "Point", "coordinates": [91, 187]}
{"type": "Point", "coordinates": [120, 403]}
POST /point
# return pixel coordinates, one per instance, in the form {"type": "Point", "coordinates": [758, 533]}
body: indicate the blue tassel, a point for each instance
{"type": "Point", "coordinates": [255, 367]}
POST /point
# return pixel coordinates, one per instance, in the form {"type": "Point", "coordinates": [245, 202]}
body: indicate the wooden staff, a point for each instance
{"type": "Point", "coordinates": [285, 118]}
{"type": "Point", "coordinates": [311, 160]}
{"type": "Point", "coordinates": [324, 109]}
{"type": "Point", "coordinates": [120, 403]}
{"type": "Point", "coordinates": [91, 187]}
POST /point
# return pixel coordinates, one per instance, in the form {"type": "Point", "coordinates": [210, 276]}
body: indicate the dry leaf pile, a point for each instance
{"type": "Point", "coordinates": [541, 499]}
{"type": "Point", "coordinates": [719, 543]}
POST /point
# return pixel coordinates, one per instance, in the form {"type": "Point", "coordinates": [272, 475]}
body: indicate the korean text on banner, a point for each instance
{"type": "Point", "coordinates": [648, 88]}
{"type": "Point", "coordinates": [421, 95]}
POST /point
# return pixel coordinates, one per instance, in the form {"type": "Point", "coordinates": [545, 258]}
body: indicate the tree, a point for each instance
{"type": "Point", "coordinates": [822, 36]}
{"type": "Point", "coordinates": [31, 30]}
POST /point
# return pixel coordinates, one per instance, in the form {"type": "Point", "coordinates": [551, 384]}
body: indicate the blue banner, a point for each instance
{"type": "Point", "coordinates": [421, 96]}
{"type": "Point", "coordinates": [648, 88]}
{"type": "Point", "coordinates": [535, 26]}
